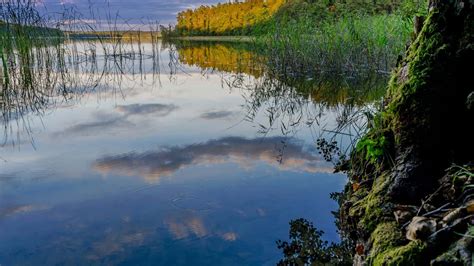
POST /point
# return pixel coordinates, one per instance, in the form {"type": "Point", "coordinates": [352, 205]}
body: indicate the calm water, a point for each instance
{"type": "Point", "coordinates": [162, 167]}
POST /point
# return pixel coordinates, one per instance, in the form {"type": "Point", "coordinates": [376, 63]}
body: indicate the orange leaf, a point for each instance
{"type": "Point", "coordinates": [355, 186]}
{"type": "Point", "coordinates": [360, 249]}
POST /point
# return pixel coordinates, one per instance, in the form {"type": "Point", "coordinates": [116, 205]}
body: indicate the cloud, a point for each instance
{"type": "Point", "coordinates": [246, 152]}
{"type": "Point", "coordinates": [155, 10]}
{"type": "Point", "coordinates": [217, 115]}
{"type": "Point", "coordinates": [145, 109]}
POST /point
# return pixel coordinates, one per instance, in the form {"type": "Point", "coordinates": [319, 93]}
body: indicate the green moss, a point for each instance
{"type": "Point", "coordinates": [412, 81]}
{"type": "Point", "coordinates": [373, 207]}
{"type": "Point", "coordinates": [386, 236]}
{"type": "Point", "coordinates": [376, 206]}
{"type": "Point", "coordinates": [449, 257]}
{"type": "Point", "coordinates": [389, 248]}
{"type": "Point", "coordinates": [409, 254]}
{"type": "Point", "coordinates": [410, 115]}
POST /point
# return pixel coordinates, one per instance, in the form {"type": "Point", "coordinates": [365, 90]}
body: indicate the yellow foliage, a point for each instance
{"type": "Point", "coordinates": [227, 17]}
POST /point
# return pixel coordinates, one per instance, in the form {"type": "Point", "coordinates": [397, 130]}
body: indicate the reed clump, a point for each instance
{"type": "Point", "coordinates": [350, 44]}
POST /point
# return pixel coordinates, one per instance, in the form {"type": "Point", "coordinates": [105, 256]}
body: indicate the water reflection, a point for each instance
{"type": "Point", "coordinates": [233, 151]}
{"type": "Point", "coordinates": [234, 58]}
{"type": "Point", "coordinates": [291, 98]}
{"type": "Point", "coordinates": [244, 152]}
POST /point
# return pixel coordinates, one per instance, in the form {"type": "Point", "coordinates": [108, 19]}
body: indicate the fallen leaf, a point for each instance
{"type": "Point", "coordinates": [470, 207]}
{"type": "Point", "coordinates": [355, 186]}
{"type": "Point", "coordinates": [360, 249]}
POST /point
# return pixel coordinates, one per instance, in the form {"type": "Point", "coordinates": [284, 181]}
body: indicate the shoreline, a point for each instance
{"type": "Point", "coordinates": [215, 38]}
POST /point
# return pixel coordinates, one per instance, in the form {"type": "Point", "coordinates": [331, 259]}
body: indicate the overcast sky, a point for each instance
{"type": "Point", "coordinates": [130, 11]}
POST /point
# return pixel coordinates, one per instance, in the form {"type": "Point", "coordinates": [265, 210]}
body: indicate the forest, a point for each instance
{"type": "Point", "coordinates": [254, 17]}
{"type": "Point", "coordinates": [228, 18]}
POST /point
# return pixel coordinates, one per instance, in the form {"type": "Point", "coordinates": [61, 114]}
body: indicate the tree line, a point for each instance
{"type": "Point", "coordinates": [227, 18]}
{"type": "Point", "coordinates": [251, 17]}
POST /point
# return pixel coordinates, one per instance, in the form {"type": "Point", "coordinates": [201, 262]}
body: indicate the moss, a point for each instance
{"type": "Point", "coordinates": [409, 254]}
{"type": "Point", "coordinates": [373, 208]}
{"type": "Point", "coordinates": [389, 247]}
{"type": "Point", "coordinates": [376, 206]}
{"type": "Point", "coordinates": [426, 98]}
{"type": "Point", "coordinates": [419, 77]}
{"type": "Point", "coordinates": [386, 236]}
{"type": "Point", "coordinates": [450, 257]}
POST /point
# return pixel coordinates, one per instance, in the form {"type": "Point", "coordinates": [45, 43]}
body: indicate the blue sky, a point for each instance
{"type": "Point", "coordinates": [131, 12]}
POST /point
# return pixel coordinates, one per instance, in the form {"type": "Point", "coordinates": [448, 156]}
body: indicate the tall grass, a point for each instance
{"type": "Point", "coordinates": [349, 44]}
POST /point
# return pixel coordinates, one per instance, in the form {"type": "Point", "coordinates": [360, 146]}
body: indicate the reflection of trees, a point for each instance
{"type": "Point", "coordinates": [232, 58]}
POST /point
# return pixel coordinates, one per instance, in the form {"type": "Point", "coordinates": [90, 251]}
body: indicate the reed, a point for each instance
{"type": "Point", "coordinates": [41, 63]}
{"type": "Point", "coordinates": [350, 44]}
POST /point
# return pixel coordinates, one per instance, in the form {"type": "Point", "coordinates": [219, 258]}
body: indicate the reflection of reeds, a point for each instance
{"type": "Point", "coordinates": [41, 65]}
{"type": "Point", "coordinates": [290, 98]}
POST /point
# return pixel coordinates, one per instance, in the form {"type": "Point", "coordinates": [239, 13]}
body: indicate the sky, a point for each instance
{"type": "Point", "coordinates": [132, 13]}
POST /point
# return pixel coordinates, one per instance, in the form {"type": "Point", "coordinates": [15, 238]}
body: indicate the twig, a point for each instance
{"type": "Point", "coordinates": [437, 210]}
{"type": "Point", "coordinates": [428, 199]}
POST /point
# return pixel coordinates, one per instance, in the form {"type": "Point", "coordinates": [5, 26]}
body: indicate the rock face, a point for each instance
{"type": "Point", "coordinates": [423, 129]}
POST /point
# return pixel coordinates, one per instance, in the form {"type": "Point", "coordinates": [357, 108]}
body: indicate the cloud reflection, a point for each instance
{"type": "Point", "coordinates": [185, 228]}
{"type": "Point", "coordinates": [246, 152]}
{"type": "Point", "coordinates": [217, 115]}
{"type": "Point", "coordinates": [230, 236]}
{"type": "Point", "coordinates": [116, 243]}
{"type": "Point", "coordinates": [144, 109]}
{"type": "Point", "coordinates": [21, 209]}
{"type": "Point", "coordinates": [93, 128]}
{"type": "Point", "coordinates": [105, 122]}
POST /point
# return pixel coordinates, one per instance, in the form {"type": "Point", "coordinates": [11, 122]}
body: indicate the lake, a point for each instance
{"type": "Point", "coordinates": [184, 154]}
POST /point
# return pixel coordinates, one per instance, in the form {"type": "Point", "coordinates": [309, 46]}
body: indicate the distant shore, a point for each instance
{"type": "Point", "coordinates": [216, 38]}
